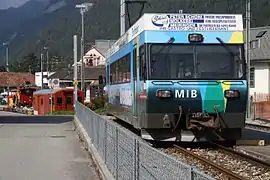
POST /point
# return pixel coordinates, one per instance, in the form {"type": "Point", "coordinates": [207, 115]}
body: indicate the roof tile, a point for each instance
{"type": "Point", "coordinates": [15, 79]}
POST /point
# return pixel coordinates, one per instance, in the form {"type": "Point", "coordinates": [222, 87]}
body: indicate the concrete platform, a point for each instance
{"type": "Point", "coordinates": [43, 151]}
{"type": "Point", "coordinates": [258, 122]}
{"type": "Point", "coordinates": [253, 134]}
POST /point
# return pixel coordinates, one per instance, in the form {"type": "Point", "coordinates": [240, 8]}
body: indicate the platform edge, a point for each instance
{"type": "Point", "coordinates": [104, 171]}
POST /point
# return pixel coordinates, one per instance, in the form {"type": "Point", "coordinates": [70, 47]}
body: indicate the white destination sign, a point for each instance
{"type": "Point", "coordinates": [198, 22]}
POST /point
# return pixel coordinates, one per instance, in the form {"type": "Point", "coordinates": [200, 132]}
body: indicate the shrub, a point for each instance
{"type": "Point", "coordinates": [97, 103]}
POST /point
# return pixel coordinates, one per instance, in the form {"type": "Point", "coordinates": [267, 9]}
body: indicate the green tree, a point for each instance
{"type": "Point", "coordinates": [2, 68]}
{"type": "Point", "coordinates": [29, 63]}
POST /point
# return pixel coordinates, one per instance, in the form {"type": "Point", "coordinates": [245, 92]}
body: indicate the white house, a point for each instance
{"type": "Point", "coordinates": [260, 61]}
{"type": "Point", "coordinates": [94, 58]}
{"type": "Point", "coordinates": [96, 55]}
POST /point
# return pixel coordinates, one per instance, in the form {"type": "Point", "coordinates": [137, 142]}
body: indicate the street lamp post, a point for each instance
{"type": "Point", "coordinates": [83, 8]}
{"type": "Point", "coordinates": [41, 69]}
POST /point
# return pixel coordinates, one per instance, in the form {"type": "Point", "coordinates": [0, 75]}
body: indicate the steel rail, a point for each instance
{"type": "Point", "coordinates": [227, 172]}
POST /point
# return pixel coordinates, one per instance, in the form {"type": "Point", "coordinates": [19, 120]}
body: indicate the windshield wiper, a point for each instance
{"type": "Point", "coordinates": [170, 41]}
{"type": "Point", "coordinates": [228, 48]}
{"type": "Point", "coordinates": [231, 52]}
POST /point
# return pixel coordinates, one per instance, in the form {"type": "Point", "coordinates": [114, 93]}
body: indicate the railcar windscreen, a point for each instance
{"type": "Point", "coordinates": [200, 61]}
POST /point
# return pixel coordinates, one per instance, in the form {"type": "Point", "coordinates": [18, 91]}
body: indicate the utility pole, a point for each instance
{"type": "Point", "coordinates": [75, 82]}
{"type": "Point", "coordinates": [124, 4]}
{"type": "Point", "coordinates": [47, 60]}
{"type": "Point", "coordinates": [7, 55]}
{"type": "Point", "coordinates": [41, 69]}
{"type": "Point", "coordinates": [83, 8]}
{"type": "Point", "coordinates": [82, 52]}
{"type": "Point", "coordinates": [122, 17]}
{"type": "Point", "coordinates": [248, 18]}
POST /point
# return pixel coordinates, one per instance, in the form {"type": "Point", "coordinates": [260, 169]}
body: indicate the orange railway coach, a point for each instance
{"type": "Point", "coordinates": [62, 100]}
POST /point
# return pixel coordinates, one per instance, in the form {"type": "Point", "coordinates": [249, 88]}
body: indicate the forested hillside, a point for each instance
{"type": "Point", "coordinates": [102, 22]}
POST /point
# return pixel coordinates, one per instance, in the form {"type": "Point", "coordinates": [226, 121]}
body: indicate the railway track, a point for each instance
{"type": "Point", "coordinates": [229, 174]}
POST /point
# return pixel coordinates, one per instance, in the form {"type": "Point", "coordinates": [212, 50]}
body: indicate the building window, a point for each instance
{"type": "Point", "coordinates": [252, 77]}
{"type": "Point", "coordinates": [69, 100]}
{"type": "Point", "coordinates": [254, 44]}
{"type": "Point", "coordinates": [59, 101]}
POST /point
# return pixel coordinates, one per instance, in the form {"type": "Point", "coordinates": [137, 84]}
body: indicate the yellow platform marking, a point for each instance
{"type": "Point", "coordinates": [258, 142]}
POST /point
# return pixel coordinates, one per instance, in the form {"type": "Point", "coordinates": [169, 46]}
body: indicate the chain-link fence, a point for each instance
{"type": "Point", "coordinates": [127, 156]}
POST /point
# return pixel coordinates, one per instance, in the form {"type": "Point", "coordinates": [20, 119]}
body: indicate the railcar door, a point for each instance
{"type": "Point", "coordinates": [69, 103]}
{"type": "Point", "coordinates": [59, 103]}
{"type": "Point", "coordinates": [135, 81]}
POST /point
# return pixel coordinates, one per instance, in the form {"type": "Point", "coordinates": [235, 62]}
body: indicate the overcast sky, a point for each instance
{"type": "Point", "coordinates": [4, 4]}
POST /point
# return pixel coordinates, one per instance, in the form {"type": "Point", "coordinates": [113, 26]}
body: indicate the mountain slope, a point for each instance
{"type": "Point", "coordinates": [56, 28]}
{"type": "Point", "coordinates": [27, 23]}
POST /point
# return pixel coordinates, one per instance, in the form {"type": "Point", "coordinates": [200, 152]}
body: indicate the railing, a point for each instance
{"type": "Point", "coordinates": [127, 156]}
{"type": "Point", "coordinates": [260, 106]}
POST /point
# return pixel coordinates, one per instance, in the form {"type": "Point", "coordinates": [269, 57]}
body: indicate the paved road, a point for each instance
{"type": "Point", "coordinates": [5, 113]}
{"type": "Point", "coordinates": [42, 152]}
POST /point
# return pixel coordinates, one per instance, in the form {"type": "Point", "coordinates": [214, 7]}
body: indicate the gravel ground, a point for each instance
{"type": "Point", "coordinates": [241, 167]}
{"type": "Point", "coordinates": [194, 162]}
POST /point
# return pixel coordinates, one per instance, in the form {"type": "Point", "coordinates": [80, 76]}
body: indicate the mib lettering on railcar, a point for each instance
{"type": "Point", "coordinates": [186, 93]}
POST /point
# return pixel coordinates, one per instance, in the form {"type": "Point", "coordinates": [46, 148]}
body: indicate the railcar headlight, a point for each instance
{"type": "Point", "coordinates": [232, 94]}
{"type": "Point", "coordinates": [164, 93]}
{"type": "Point", "coordinates": [195, 38]}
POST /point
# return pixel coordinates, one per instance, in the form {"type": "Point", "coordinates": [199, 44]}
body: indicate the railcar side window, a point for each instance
{"type": "Point", "coordinates": [134, 64]}
{"type": "Point", "coordinates": [142, 63]}
{"type": "Point", "coordinates": [59, 101]}
{"type": "Point", "coordinates": [120, 70]}
{"type": "Point", "coordinates": [69, 100]}
{"type": "Point", "coordinates": [252, 77]}
{"type": "Point", "coordinates": [41, 101]}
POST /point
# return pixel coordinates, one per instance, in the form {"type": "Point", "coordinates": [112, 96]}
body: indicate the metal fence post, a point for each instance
{"type": "Point", "coordinates": [136, 159]}
{"type": "Point", "coordinates": [116, 153]}
{"type": "Point", "coordinates": [191, 173]}
{"type": "Point", "coordinates": [105, 143]}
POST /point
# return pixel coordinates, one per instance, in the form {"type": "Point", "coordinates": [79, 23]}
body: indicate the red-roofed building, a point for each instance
{"type": "Point", "coordinates": [15, 79]}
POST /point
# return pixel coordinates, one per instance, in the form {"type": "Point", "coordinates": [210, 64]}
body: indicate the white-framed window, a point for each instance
{"type": "Point", "coordinates": [252, 77]}
{"type": "Point", "coordinates": [254, 44]}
